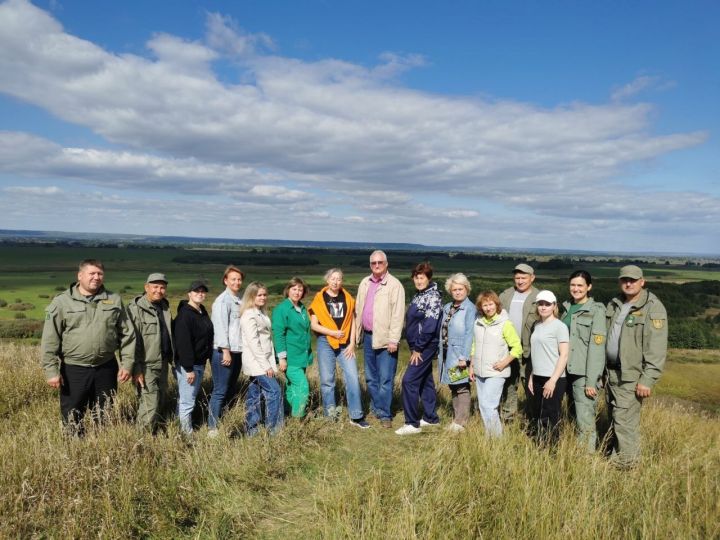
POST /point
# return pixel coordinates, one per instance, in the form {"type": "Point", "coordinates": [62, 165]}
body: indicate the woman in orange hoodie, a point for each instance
{"type": "Point", "coordinates": [331, 318]}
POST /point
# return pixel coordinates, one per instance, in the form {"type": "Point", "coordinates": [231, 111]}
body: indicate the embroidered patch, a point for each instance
{"type": "Point", "coordinates": [107, 302]}
{"type": "Point", "coordinates": [599, 340]}
{"type": "Point", "coordinates": [658, 323]}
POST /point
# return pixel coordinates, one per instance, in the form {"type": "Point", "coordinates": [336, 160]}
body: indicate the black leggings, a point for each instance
{"type": "Point", "coordinates": [547, 411]}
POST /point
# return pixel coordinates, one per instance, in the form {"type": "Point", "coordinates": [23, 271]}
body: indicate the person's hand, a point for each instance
{"type": "Point", "coordinates": [471, 372]}
{"type": "Point", "coordinates": [338, 334]}
{"type": "Point", "coordinates": [392, 347]}
{"type": "Point", "coordinates": [123, 375]}
{"type": "Point", "coordinates": [349, 352]}
{"type": "Point", "coordinates": [55, 382]}
{"type": "Point", "coordinates": [642, 391]}
{"type": "Point", "coordinates": [415, 358]}
{"type": "Point", "coordinates": [283, 365]}
{"type": "Point", "coordinates": [270, 372]}
{"type": "Point", "coordinates": [499, 365]}
{"type": "Point", "coordinates": [591, 392]}
{"type": "Point", "coordinates": [462, 364]}
{"type": "Point", "coordinates": [226, 359]}
{"type": "Point", "coordinates": [139, 380]}
{"type": "Point", "coordinates": [190, 377]}
{"type": "Point", "coordinates": [549, 388]}
{"type": "Point", "coordinates": [531, 389]}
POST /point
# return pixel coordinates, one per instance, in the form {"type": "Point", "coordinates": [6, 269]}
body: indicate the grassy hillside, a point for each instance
{"type": "Point", "coordinates": [325, 480]}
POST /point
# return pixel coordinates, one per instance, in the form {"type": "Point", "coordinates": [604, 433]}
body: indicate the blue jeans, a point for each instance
{"type": "Point", "coordinates": [224, 384]}
{"type": "Point", "coordinates": [327, 358]}
{"type": "Point", "coordinates": [187, 395]}
{"type": "Point", "coordinates": [489, 391]}
{"type": "Point", "coordinates": [262, 386]}
{"type": "Point", "coordinates": [380, 368]}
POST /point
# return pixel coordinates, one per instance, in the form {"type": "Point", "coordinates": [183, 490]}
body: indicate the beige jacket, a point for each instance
{"type": "Point", "coordinates": [258, 351]}
{"type": "Point", "coordinates": [388, 311]}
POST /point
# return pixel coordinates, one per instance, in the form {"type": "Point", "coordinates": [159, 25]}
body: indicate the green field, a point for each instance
{"type": "Point", "coordinates": [33, 275]}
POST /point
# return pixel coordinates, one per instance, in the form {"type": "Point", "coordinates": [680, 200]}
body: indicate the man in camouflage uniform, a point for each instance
{"type": "Point", "coordinates": [150, 315]}
{"type": "Point", "coordinates": [84, 327]}
{"type": "Point", "coordinates": [635, 353]}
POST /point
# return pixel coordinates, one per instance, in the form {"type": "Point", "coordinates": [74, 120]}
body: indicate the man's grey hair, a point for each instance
{"type": "Point", "coordinates": [379, 252]}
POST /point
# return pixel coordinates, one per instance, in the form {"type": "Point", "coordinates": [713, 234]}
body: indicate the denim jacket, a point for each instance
{"type": "Point", "coordinates": [460, 338]}
{"type": "Point", "coordinates": [226, 321]}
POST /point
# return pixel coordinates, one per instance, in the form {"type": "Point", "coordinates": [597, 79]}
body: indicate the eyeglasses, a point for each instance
{"type": "Point", "coordinates": [377, 263]}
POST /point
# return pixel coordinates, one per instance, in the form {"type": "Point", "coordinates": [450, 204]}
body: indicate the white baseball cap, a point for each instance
{"type": "Point", "coordinates": [547, 296]}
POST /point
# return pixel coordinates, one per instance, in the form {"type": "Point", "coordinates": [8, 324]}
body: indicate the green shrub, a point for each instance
{"type": "Point", "coordinates": [21, 328]}
{"type": "Point", "coordinates": [43, 296]}
{"type": "Point", "coordinates": [20, 316]}
{"type": "Point", "coordinates": [21, 306]}
{"type": "Point", "coordinates": [60, 288]}
{"type": "Point", "coordinates": [3, 302]}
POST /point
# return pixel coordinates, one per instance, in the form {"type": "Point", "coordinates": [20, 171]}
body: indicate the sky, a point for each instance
{"type": "Point", "coordinates": [521, 124]}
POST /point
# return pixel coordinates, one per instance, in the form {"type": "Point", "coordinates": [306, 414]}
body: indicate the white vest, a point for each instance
{"type": "Point", "coordinates": [490, 346]}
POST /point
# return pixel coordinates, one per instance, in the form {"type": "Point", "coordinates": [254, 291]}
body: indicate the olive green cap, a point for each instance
{"type": "Point", "coordinates": [524, 269]}
{"type": "Point", "coordinates": [631, 271]}
{"type": "Point", "coordinates": [156, 276]}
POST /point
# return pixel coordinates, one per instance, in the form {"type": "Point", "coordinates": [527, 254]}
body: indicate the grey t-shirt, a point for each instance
{"type": "Point", "coordinates": [515, 310]}
{"type": "Point", "coordinates": [545, 342]}
{"type": "Point", "coordinates": [613, 343]}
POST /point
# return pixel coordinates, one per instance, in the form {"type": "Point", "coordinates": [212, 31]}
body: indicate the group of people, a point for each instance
{"type": "Point", "coordinates": [497, 342]}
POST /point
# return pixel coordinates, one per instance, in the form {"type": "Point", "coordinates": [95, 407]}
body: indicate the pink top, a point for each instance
{"type": "Point", "coordinates": [367, 314]}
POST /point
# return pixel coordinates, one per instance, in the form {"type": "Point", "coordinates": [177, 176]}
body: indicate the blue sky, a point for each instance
{"type": "Point", "coordinates": [520, 124]}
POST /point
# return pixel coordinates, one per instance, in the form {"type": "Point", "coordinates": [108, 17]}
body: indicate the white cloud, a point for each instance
{"type": "Point", "coordinates": [224, 34]}
{"type": "Point", "coordinates": [33, 190]}
{"type": "Point", "coordinates": [339, 139]}
{"type": "Point", "coordinates": [640, 84]}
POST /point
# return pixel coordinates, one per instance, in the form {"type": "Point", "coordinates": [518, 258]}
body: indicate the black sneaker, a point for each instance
{"type": "Point", "coordinates": [361, 423]}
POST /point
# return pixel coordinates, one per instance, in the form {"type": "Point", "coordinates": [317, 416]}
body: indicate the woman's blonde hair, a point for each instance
{"type": "Point", "coordinates": [251, 292]}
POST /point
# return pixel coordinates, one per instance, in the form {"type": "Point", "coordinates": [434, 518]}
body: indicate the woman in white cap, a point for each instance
{"type": "Point", "coordinates": [547, 384]}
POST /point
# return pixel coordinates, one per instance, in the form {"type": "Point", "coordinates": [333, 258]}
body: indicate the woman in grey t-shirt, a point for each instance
{"type": "Point", "coordinates": [549, 344]}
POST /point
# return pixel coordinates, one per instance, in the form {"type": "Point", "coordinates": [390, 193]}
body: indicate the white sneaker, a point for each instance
{"type": "Point", "coordinates": [423, 423]}
{"type": "Point", "coordinates": [213, 433]}
{"type": "Point", "coordinates": [408, 429]}
{"type": "Point", "coordinates": [455, 428]}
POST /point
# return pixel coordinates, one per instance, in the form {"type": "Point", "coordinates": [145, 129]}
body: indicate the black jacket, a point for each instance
{"type": "Point", "coordinates": [193, 334]}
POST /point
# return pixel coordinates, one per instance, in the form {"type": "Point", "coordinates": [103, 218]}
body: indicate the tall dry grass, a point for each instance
{"type": "Point", "coordinates": [324, 480]}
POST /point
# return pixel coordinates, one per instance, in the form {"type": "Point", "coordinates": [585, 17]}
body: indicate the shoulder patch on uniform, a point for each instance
{"type": "Point", "coordinates": [599, 339]}
{"type": "Point", "coordinates": [658, 323]}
